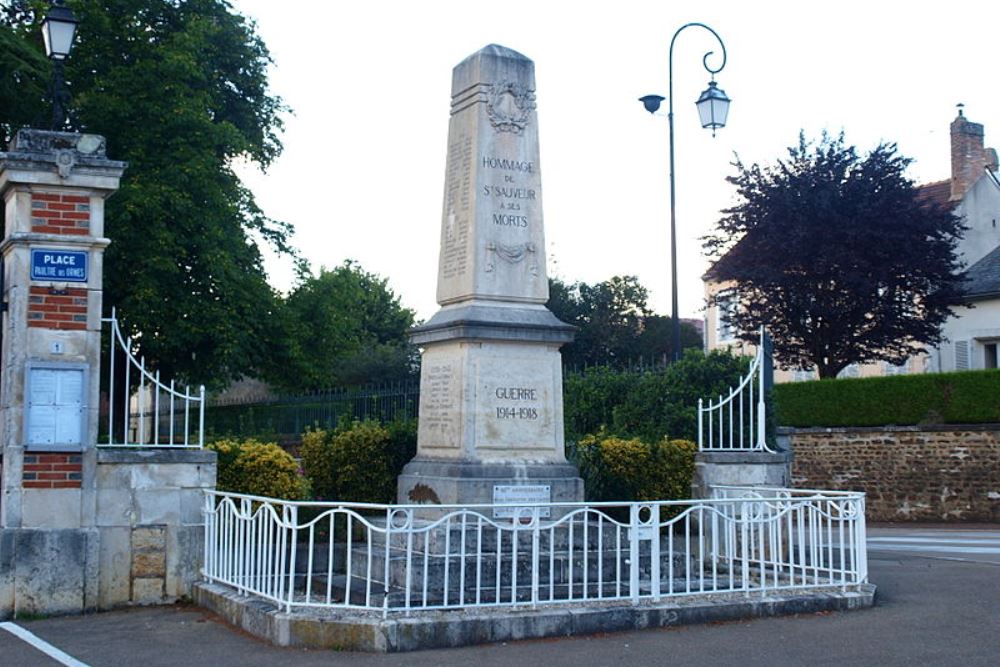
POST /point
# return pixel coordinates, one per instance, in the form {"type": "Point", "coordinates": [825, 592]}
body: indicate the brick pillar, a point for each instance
{"type": "Point", "coordinates": [53, 186]}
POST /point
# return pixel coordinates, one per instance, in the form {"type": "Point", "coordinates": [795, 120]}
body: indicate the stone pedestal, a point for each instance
{"type": "Point", "coordinates": [491, 378]}
{"type": "Point", "coordinates": [740, 469]}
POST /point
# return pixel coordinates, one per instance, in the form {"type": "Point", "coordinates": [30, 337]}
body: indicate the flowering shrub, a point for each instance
{"type": "Point", "coordinates": [256, 468]}
{"type": "Point", "coordinates": [630, 469]}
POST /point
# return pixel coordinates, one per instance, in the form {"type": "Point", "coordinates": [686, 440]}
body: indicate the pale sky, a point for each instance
{"type": "Point", "coordinates": [362, 174]}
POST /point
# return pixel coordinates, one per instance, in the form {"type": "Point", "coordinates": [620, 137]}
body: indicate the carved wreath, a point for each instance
{"type": "Point", "coordinates": [509, 105]}
{"type": "Point", "coordinates": [512, 254]}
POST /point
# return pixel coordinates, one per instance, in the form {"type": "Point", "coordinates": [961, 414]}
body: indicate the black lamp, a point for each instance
{"type": "Point", "coordinates": [58, 31]}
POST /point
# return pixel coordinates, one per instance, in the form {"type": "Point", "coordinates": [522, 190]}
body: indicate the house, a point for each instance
{"type": "Point", "coordinates": [973, 334]}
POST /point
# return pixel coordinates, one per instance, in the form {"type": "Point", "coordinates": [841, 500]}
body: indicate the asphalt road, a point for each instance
{"type": "Point", "coordinates": [938, 604]}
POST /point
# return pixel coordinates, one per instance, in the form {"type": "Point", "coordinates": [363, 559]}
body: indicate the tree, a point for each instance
{"type": "Point", "coordinates": [24, 77]}
{"type": "Point", "coordinates": [179, 89]}
{"type": "Point", "coordinates": [837, 256]}
{"type": "Point", "coordinates": [342, 327]}
{"type": "Point", "coordinates": [615, 324]}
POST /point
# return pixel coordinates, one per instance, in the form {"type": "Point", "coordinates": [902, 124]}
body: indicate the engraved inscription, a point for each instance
{"type": "Point", "coordinates": [510, 193]}
{"type": "Point", "coordinates": [517, 403]}
{"type": "Point", "coordinates": [458, 191]}
{"type": "Point", "coordinates": [438, 408]}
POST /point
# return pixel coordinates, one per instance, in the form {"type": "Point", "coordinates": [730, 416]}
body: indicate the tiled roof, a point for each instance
{"type": "Point", "coordinates": [984, 277]}
{"type": "Point", "coordinates": [938, 192]}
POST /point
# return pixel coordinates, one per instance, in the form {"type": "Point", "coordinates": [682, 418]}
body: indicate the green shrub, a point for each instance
{"type": "Point", "coordinates": [314, 452]}
{"type": "Point", "coordinates": [256, 468]}
{"type": "Point", "coordinates": [648, 404]}
{"type": "Point", "coordinates": [358, 462]}
{"type": "Point", "coordinates": [590, 397]}
{"type": "Point", "coordinates": [967, 397]}
{"type": "Point", "coordinates": [629, 469]}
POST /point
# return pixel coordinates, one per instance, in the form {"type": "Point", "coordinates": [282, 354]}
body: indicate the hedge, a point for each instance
{"type": "Point", "coordinates": [966, 397]}
{"type": "Point", "coordinates": [648, 404]}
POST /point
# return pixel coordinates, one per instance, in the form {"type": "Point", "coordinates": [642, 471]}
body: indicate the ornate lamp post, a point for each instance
{"type": "Point", "coordinates": [58, 30]}
{"type": "Point", "coordinates": [713, 107]}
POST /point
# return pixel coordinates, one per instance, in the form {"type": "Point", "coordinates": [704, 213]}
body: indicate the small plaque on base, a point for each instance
{"type": "Point", "coordinates": [533, 494]}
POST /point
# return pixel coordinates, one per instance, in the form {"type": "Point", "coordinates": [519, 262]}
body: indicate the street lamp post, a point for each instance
{"type": "Point", "coordinates": [58, 30]}
{"type": "Point", "coordinates": [713, 107]}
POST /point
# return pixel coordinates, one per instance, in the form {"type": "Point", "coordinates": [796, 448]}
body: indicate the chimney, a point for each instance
{"type": "Point", "coordinates": [968, 155]}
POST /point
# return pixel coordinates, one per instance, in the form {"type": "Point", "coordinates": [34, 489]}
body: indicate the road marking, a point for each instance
{"type": "Point", "coordinates": [936, 540]}
{"type": "Point", "coordinates": [42, 645]}
{"type": "Point", "coordinates": [933, 548]}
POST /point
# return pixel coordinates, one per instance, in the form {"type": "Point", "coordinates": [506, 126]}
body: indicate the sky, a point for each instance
{"type": "Point", "coordinates": [369, 82]}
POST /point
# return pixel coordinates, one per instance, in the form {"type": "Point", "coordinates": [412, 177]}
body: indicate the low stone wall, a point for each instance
{"type": "Point", "coordinates": [149, 514]}
{"type": "Point", "coordinates": [910, 473]}
{"type": "Point", "coordinates": [134, 535]}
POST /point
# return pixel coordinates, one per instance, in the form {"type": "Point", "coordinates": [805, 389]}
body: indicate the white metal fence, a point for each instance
{"type": "Point", "coordinates": [151, 413]}
{"type": "Point", "coordinates": [402, 558]}
{"type": "Point", "coordinates": [737, 421]}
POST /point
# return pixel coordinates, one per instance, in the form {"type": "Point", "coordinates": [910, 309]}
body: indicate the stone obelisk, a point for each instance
{"type": "Point", "coordinates": [491, 420]}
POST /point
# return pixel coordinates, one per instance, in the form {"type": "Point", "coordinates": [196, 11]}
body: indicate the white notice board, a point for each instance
{"type": "Point", "coordinates": [54, 418]}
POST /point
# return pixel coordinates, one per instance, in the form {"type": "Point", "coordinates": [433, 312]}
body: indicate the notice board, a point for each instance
{"type": "Point", "coordinates": [55, 409]}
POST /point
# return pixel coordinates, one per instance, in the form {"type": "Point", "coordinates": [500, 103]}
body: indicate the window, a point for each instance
{"type": "Point", "coordinates": [991, 355]}
{"type": "Point", "coordinates": [961, 355]}
{"type": "Point", "coordinates": [889, 368]}
{"type": "Point", "coordinates": [725, 308]}
{"type": "Point", "coordinates": [850, 371]}
{"type": "Point", "coordinates": [803, 376]}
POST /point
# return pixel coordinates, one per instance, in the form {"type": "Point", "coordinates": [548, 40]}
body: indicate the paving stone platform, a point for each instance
{"type": "Point", "coordinates": [368, 631]}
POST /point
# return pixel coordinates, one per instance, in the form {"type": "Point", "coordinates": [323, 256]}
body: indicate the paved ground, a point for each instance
{"type": "Point", "coordinates": [938, 604]}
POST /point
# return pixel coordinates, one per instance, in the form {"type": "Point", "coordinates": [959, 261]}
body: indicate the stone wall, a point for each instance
{"type": "Point", "coordinates": [143, 545]}
{"type": "Point", "coordinates": [910, 473]}
{"type": "Point", "coordinates": [149, 514]}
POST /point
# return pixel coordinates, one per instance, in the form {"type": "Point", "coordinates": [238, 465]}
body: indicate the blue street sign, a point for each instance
{"type": "Point", "coordinates": [68, 266]}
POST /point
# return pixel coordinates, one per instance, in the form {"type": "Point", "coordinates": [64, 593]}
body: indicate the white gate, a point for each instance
{"type": "Point", "coordinates": [151, 414]}
{"type": "Point", "coordinates": [735, 422]}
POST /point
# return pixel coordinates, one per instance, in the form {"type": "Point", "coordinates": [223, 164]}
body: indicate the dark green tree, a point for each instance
{"type": "Point", "coordinates": [615, 325]}
{"type": "Point", "coordinates": [655, 340]}
{"type": "Point", "coordinates": [179, 89]}
{"type": "Point", "coordinates": [835, 253]}
{"type": "Point", "coordinates": [24, 78]}
{"type": "Point", "coordinates": [342, 327]}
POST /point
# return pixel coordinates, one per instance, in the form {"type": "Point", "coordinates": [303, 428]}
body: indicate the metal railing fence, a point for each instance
{"type": "Point", "coordinates": [151, 413]}
{"type": "Point", "coordinates": [291, 415]}
{"type": "Point", "coordinates": [404, 558]}
{"type": "Point", "coordinates": [737, 421]}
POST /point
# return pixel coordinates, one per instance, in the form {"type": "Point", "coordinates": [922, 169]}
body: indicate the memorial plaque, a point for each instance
{"type": "Point", "coordinates": [521, 494]}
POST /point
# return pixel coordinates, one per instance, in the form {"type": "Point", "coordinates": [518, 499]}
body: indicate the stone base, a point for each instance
{"type": "Point", "coordinates": [146, 546]}
{"type": "Point", "coordinates": [48, 571]}
{"type": "Point", "coordinates": [740, 469]}
{"type": "Point", "coordinates": [355, 630]}
{"type": "Point", "coordinates": [437, 482]}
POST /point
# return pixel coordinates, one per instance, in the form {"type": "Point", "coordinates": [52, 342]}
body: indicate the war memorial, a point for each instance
{"type": "Point", "coordinates": [490, 539]}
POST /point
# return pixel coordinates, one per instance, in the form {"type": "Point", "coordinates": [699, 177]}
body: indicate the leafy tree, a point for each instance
{"type": "Point", "coordinates": [655, 340]}
{"type": "Point", "coordinates": [835, 253]}
{"type": "Point", "coordinates": [24, 77]}
{"type": "Point", "coordinates": [179, 89]}
{"type": "Point", "coordinates": [615, 324]}
{"type": "Point", "coordinates": [342, 327]}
